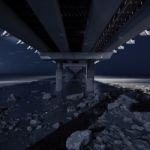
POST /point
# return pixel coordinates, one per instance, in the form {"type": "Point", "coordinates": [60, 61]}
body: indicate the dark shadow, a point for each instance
{"type": "Point", "coordinates": [57, 139]}
{"type": "Point", "coordinates": [140, 107]}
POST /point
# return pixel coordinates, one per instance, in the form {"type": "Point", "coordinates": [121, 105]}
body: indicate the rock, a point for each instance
{"type": "Point", "coordinates": [71, 109]}
{"type": "Point", "coordinates": [34, 91]}
{"type": "Point", "coordinates": [113, 105]}
{"type": "Point", "coordinates": [75, 96]}
{"type": "Point", "coordinates": [33, 122]}
{"type": "Point", "coordinates": [81, 105]}
{"type": "Point", "coordinates": [126, 141]}
{"type": "Point", "coordinates": [146, 116]}
{"type": "Point", "coordinates": [29, 128]}
{"type": "Point", "coordinates": [46, 96]}
{"type": "Point", "coordinates": [138, 116]}
{"type": "Point", "coordinates": [11, 127]}
{"type": "Point", "coordinates": [38, 127]}
{"type": "Point", "coordinates": [118, 142]}
{"type": "Point", "coordinates": [99, 139]}
{"type": "Point", "coordinates": [141, 144]}
{"type": "Point", "coordinates": [99, 146]}
{"type": "Point", "coordinates": [125, 100]}
{"type": "Point", "coordinates": [56, 125]}
{"type": "Point", "coordinates": [136, 127]}
{"type": "Point", "coordinates": [127, 120]}
{"type": "Point", "coordinates": [78, 139]}
{"type": "Point", "coordinates": [147, 126]}
{"type": "Point", "coordinates": [122, 100]}
{"type": "Point", "coordinates": [103, 147]}
{"type": "Point", "coordinates": [76, 114]}
{"type": "Point", "coordinates": [69, 118]}
{"type": "Point", "coordinates": [11, 98]}
{"type": "Point", "coordinates": [3, 123]}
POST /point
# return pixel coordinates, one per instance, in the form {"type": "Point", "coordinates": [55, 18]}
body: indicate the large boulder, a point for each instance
{"type": "Point", "coordinates": [46, 96]}
{"type": "Point", "coordinates": [75, 96]}
{"type": "Point", "coordinates": [12, 98]}
{"type": "Point", "coordinates": [147, 126]}
{"type": "Point", "coordinates": [78, 139]}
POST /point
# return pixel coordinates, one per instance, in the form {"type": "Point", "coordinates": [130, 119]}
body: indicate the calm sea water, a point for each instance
{"type": "Point", "coordinates": [12, 80]}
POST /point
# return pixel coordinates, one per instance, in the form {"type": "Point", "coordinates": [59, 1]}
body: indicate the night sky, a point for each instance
{"type": "Point", "coordinates": [133, 61]}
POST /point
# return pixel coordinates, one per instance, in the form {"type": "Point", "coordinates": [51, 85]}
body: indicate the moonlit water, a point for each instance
{"type": "Point", "coordinates": [124, 82]}
{"type": "Point", "coordinates": [8, 81]}
{"type": "Point", "coordinates": [132, 83]}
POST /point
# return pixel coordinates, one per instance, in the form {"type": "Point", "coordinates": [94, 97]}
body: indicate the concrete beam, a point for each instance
{"type": "Point", "coordinates": [49, 15]}
{"type": "Point", "coordinates": [100, 14]}
{"type": "Point", "coordinates": [76, 56]}
{"type": "Point", "coordinates": [136, 25]}
{"type": "Point", "coordinates": [14, 25]}
{"type": "Point", "coordinates": [74, 65]}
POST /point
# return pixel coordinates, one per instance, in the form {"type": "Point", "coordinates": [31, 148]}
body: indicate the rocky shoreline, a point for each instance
{"type": "Point", "coordinates": [115, 118]}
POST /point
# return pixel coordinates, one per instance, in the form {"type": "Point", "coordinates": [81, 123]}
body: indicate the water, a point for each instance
{"type": "Point", "coordinates": [131, 83]}
{"type": "Point", "coordinates": [13, 80]}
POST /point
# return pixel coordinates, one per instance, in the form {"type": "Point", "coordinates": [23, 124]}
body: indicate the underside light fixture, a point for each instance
{"type": "Point", "coordinates": [145, 33]}
{"type": "Point", "coordinates": [115, 51]}
{"type": "Point", "coordinates": [20, 42]}
{"type": "Point", "coordinates": [5, 33]}
{"type": "Point", "coordinates": [37, 52]}
{"type": "Point", "coordinates": [97, 61]}
{"type": "Point", "coordinates": [121, 47]}
{"type": "Point", "coordinates": [29, 47]}
{"type": "Point", "coordinates": [45, 57]}
{"type": "Point", "coordinates": [131, 41]}
{"type": "Point", "coordinates": [54, 62]}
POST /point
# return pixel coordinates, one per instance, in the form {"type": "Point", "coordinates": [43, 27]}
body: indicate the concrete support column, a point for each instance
{"type": "Point", "coordinates": [59, 77]}
{"type": "Point", "coordinates": [90, 77]}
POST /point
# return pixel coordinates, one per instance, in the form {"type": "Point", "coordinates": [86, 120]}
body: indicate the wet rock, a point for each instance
{"type": "Point", "coordinates": [147, 126]}
{"type": "Point", "coordinates": [118, 142]}
{"type": "Point", "coordinates": [138, 116]}
{"type": "Point", "coordinates": [11, 127]}
{"type": "Point", "coordinates": [91, 103]}
{"type": "Point", "coordinates": [113, 105]}
{"type": "Point", "coordinates": [38, 127]}
{"type": "Point", "coordinates": [29, 128]}
{"type": "Point", "coordinates": [56, 125]}
{"type": "Point", "coordinates": [71, 109]}
{"type": "Point", "coordinates": [34, 91]}
{"type": "Point", "coordinates": [81, 105]}
{"type": "Point", "coordinates": [76, 114]}
{"type": "Point", "coordinates": [46, 96]}
{"type": "Point", "coordinates": [136, 127]}
{"type": "Point", "coordinates": [141, 144]}
{"type": "Point", "coordinates": [97, 146]}
{"type": "Point", "coordinates": [99, 139]}
{"type": "Point", "coordinates": [33, 122]}
{"type": "Point", "coordinates": [12, 98]}
{"type": "Point", "coordinates": [126, 140]}
{"type": "Point", "coordinates": [69, 118]}
{"type": "Point", "coordinates": [75, 96]}
{"type": "Point", "coordinates": [146, 116]}
{"type": "Point", "coordinates": [78, 139]}
{"type": "Point", "coordinates": [127, 119]}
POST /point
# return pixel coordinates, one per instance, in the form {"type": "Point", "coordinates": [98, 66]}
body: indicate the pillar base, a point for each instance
{"type": "Point", "coordinates": [90, 78]}
{"type": "Point", "coordinates": [59, 78]}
